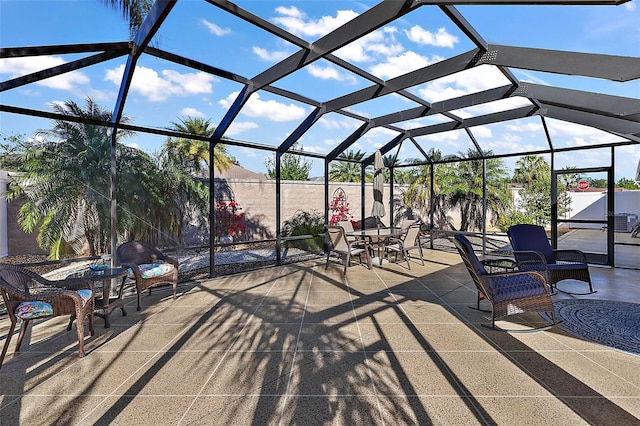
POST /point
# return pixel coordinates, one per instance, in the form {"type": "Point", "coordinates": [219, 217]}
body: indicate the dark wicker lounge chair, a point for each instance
{"type": "Point", "coordinates": [150, 267]}
{"type": "Point", "coordinates": [28, 296]}
{"type": "Point", "coordinates": [509, 293]}
{"type": "Point", "coordinates": [533, 252]}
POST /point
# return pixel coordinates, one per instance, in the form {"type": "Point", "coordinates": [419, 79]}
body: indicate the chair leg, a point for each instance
{"type": "Point", "coordinates": [23, 332]}
{"type": "Point", "coordinates": [347, 259]}
{"type": "Point", "coordinates": [12, 328]}
{"type": "Point", "coordinates": [80, 332]}
{"type": "Point", "coordinates": [139, 291]}
{"type": "Point", "coordinates": [406, 257]}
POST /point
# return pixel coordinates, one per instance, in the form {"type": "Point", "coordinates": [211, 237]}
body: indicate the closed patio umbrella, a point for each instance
{"type": "Point", "coordinates": [377, 210]}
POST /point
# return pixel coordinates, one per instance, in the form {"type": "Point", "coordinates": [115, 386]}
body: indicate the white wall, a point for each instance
{"type": "Point", "coordinates": [593, 206]}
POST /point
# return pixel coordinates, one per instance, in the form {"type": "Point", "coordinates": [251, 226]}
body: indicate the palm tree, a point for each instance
{"type": "Point", "coordinates": [133, 11]}
{"type": "Point", "coordinates": [530, 169]}
{"type": "Point", "coordinates": [418, 194]}
{"type": "Point", "coordinates": [347, 168]}
{"type": "Point", "coordinates": [464, 188]}
{"type": "Point", "coordinates": [192, 154]}
{"type": "Point", "coordinates": [65, 181]}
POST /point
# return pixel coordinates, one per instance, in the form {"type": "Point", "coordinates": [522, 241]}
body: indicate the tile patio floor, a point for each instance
{"type": "Point", "coordinates": [300, 345]}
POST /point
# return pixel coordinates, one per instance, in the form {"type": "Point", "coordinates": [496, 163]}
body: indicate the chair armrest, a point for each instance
{"type": "Point", "coordinates": [171, 260]}
{"type": "Point", "coordinates": [570, 256]}
{"type": "Point", "coordinates": [530, 260]}
{"type": "Point", "coordinates": [134, 268]}
{"type": "Point", "coordinates": [73, 284]}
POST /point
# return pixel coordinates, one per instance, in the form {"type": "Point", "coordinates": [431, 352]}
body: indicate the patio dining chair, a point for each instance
{"type": "Point", "coordinates": [28, 296]}
{"type": "Point", "coordinates": [410, 240]}
{"type": "Point", "coordinates": [533, 252]}
{"type": "Point", "coordinates": [149, 266]}
{"type": "Point", "coordinates": [343, 249]}
{"type": "Point", "coordinates": [508, 293]}
{"type": "Point", "coordinates": [348, 227]}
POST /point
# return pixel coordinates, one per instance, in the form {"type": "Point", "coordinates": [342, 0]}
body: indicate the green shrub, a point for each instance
{"type": "Point", "coordinates": [305, 223]}
{"type": "Point", "coordinates": [513, 218]}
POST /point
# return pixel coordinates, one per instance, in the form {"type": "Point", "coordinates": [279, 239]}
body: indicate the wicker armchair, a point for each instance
{"type": "Point", "coordinates": [150, 267]}
{"type": "Point", "coordinates": [339, 246]}
{"type": "Point", "coordinates": [509, 293]}
{"type": "Point", "coordinates": [29, 296]}
{"type": "Point", "coordinates": [533, 252]}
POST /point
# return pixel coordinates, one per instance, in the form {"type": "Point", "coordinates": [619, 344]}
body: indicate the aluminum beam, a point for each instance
{"type": "Point", "coordinates": [474, 121]}
{"type": "Point", "coordinates": [63, 49]}
{"type": "Point", "coordinates": [363, 24]}
{"type": "Point", "coordinates": [440, 107]}
{"type": "Point", "coordinates": [525, 2]}
{"type": "Point", "coordinates": [607, 124]}
{"type": "Point", "coordinates": [422, 75]}
{"type": "Point", "coordinates": [608, 67]}
{"type": "Point", "coordinates": [60, 69]}
{"type": "Point", "coordinates": [608, 105]}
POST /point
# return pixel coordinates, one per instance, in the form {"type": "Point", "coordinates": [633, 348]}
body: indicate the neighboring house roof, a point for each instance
{"type": "Point", "coordinates": [237, 172]}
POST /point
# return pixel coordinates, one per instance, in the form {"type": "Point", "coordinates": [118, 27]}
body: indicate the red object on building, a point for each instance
{"type": "Point", "coordinates": [583, 185]}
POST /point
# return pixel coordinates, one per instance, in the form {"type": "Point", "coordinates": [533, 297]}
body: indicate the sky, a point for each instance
{"type": "Point", "coordinates": [163, 92]}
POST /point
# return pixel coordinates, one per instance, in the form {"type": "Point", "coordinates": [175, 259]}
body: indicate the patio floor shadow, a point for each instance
{"type": "Point", "coordinates": [298, 344]}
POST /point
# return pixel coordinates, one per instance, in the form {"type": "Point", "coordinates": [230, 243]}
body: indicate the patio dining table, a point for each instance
{"type": "Point", "coordinates": [376, 239]}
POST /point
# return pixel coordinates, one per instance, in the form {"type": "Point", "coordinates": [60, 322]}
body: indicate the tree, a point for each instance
{"type": "Point", "coordinates": [292, 166]}
{"type": "Point", "coordinates": [65, 181]}
{"type": "Point", "coordinates": [628, 184]}
{"type": "Point", "coordinates": [12, 151]}
{"type": "Point", "coordinates": [531, 169]}
{"type": "Point", "coordinates": [464, 188]}
{"type": "Point", "coordinates": [418, 194]}
{"type": "Point", "coordinates": [134, 11]}
{"type": "Point", "coordinates": [347, 167]}
{"type": "Point", "coordinates": [534, 205]}
{"type": "Point", "coordinates": [192, 154]}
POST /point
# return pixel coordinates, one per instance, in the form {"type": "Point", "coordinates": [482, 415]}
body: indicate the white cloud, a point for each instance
{"type": "Point", "coordinates": [527, 77]}
{"type": "Point", "coordinates": [271, 110]}
{"type": "Point", "coordinates": [330, 73]}
{"type": "Point", "coordinates": [191, 112]}
{"type": "Point", "coordinates": [339, 124]}
{"type": "Point", "coordinates": [630, 6]}
{"type": "Point", "coordinates": [159, 87]}
{"type": "Point", "coordinates": [296, 22]}
{"type": "Point", "coordinates": [442, 38]}
{"type": "Point", "coordinates": [402, 64]}
{"type": "Point", "coordinates": [525, 127]}
{"type": "Point", "coordinates": [481, 132]}
{"type": "Point", "coordinates": [318, 149]}
{"type": "Point", "coordinates": [250, 152]}
{"type": "Point", "coordinates": [18, 67]}
{"type": "Point", "coordinates": [215, 29]}
{"type": "Point", "coordinates": [576, 134]}
{"type": "Point", "coordinates": [271, 56]}
{"type": "Point", "coordinates": [469, 81]}
{"type": "Point", "coordinates": [365, 49]}
{"type": "Point", "coordinates": [290, 11]}
{"type": "Point", "coordinates": [238, 127]}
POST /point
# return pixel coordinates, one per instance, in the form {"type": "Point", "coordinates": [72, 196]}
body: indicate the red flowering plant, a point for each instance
{"type": "Point", "coordinates": [339, 208]}
{"type": "Point", "coordinates": [229, 219]}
